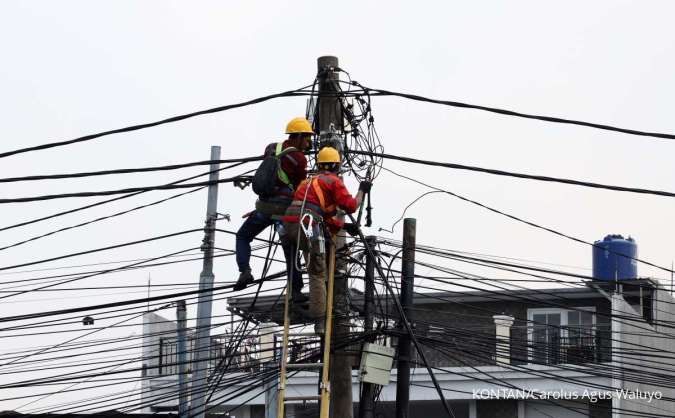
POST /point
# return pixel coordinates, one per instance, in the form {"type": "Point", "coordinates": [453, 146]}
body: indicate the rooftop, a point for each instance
{"type": "Point", "coordinates": [269, 308]}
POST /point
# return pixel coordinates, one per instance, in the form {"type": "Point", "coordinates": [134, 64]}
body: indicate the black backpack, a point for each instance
{"type": "Point", "coordinates": [265, 178]}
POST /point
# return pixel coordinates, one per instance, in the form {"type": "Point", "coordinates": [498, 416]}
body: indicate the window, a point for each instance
{"type": "Point", "coordinates": [545, 331]}
{"type": "Point", "coordinates": [561, 335]}
{"type": "Point", "coordinates": [168, 356]}
{"type": "Point", "coordinates": [217, 352]}
{"type": "Point", "coordinates": [580, 324]}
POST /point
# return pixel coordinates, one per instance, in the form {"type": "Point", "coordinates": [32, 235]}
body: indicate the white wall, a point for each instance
{"type": "Point", "coordinates": [639, 341]}
{"type": "Point", "coordinates": [154, 328]}
{"type": "Point", "coordinates": [539, 409]}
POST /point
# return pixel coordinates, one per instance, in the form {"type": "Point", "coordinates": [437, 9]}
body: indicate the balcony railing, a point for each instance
{"type": "Point", "coordinates": [569, 350]}
{"type": "Point", "coordinates": [220, 355]}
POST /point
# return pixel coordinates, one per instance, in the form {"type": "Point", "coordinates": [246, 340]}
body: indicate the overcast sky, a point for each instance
{"type": "Point", "coordinates": [71, 68]}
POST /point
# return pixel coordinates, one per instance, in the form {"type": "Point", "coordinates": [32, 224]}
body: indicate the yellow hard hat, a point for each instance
{"type": "Point", "coordinates": [299, 125]}
{"type": "Point", "coordinates": [328, 155]}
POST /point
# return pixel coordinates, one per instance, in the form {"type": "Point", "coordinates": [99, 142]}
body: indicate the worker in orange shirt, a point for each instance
{"type": "Point", "coordinates": [311, 220]}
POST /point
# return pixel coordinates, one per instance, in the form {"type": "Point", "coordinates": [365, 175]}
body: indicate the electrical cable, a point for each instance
{"type": "Point", "coordinates": [513, 217]}
{"type": "Point", "coordinates": [103, 202]}
{"type": "Point", "coordinates": [361, 141]}
{"type": "Point", "coordinates": [121, 191]}
{"type": "Point", "coordinates": [529, 322]}
{"type": "Point", "coordinates": [266, 266]}
{"type": "Point", "coordinates": [517, 175]}
{"type": "Point", "coordinates": [381, 92]}
{"type": "Point", "coordinates": [102, 218]}
{"type": "Point", "coordinates": [492, 312]}
{"type": "Point", "coordinates": [110, 247]}
{"type": "Point", "coordinates": [404, 320]}
{"type": "Point", "coordinates": [75, 338]}
{"type": "Point", "coordinates": [127, 170]}
{"type": "Point", "coordinates": [116, 304]}
{"type": "Point", "coordinates": [289, 93]}
{"type": "Point", "coordinates": [46, 286]}
{"type": "Point", "coordinates": [135, 266]}
{"type": "Point", "coordinates": [74, 320]}
{"type": "Point", "coordinates": [96, 343]}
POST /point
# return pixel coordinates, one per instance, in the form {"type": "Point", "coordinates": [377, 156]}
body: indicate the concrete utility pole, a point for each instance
{"type": "Point", "coordinates": [367, 399]}
{"type": "Point", "coordinates": [269, 360]}
{"type": "Point", "coordinates": [203, 343]}
{"type": "Point", "coordinates": [404, 341]}
{"type": "Point", "coordinates": [181, 325]}
{"type": "Point", "coordinates": [330, 125]}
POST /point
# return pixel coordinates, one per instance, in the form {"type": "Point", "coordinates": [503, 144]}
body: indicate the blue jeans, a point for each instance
{"type": "Point", "coordinates": [252, 226]}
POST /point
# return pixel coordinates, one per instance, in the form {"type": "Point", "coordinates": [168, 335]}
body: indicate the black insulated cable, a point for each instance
{"type": "Point", "coordinates": [517, 175]}
{"type": "Point", "coordinates": [103, 202]}
{"type": "Point", "coordinates": [289, 93]}
{"type": "Point", "coordinates": [110, 247]}
{"type": "Point", "coordinates": [126, 170]}
{"type": "Point", "coordinates": [506, 112]}
{"type": "Point", "coordinates": [121, 191]}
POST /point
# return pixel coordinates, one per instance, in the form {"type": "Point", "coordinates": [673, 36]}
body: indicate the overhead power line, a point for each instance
{"type": "Point", "coordinates": [78, 337]}
{"type": "Point", "coordinates": [126, 170]}
{"type": "Point", "coordinates": [101, 218]}
{"type": "Point", "coordinates": [508, 215]}
{"type": "Point", "coordinates": [47, 279]}
{"type": "Point", "coordinates": [110, 247]}
{"type": "Point", "coordinates": [103, 202]}
{"type": "Point", "coordinates": [289, 93]}
{"type": "Point", "coordinates": [514, 174]}
{"type": "Point", "coordinates": [120, 191]}
{"type": "Point", "coordinates": [97, 273]}
{"type": "Point", "coordinates": [125, 303]}
{"type": "Point", "coordinates": [382, 92]}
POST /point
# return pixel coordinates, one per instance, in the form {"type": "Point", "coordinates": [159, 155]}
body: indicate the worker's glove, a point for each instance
{"type": "Point", "coordinates": [365, 186]}
{"type": "Point", "coordinates": [351, 229]}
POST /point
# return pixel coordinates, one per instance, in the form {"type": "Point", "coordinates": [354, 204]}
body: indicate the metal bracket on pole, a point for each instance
{"type": "Point", "coordinates": [331, 138]}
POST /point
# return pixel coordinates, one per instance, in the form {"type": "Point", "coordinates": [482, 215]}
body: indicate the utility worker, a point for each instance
{"type": "Point", "coordinates": [314, 207]}
{"type": "Point", "coordinates": [269, 209]}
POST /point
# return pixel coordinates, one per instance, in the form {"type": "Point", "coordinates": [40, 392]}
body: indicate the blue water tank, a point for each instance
{"type": "Point", "coordinates": [609, 262]}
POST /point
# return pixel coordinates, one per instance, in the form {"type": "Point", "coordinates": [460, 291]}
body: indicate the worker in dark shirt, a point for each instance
{"type": "Point", "coordinates": [269, 210]}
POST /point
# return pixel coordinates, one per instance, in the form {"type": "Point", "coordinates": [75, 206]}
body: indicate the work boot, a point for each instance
{"type": "Point", "coordinates": [245, 279]}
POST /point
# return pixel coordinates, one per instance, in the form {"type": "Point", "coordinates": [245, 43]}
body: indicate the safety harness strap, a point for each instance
{"type": "Point", "coordinates": [319, 193]}
{"type": "Point", "coordinates": [279, 153]}
{"type": "Point", "coordinates": [322, 198]}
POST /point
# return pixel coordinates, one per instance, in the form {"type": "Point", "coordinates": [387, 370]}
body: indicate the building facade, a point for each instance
{"type": "Point", "coordinates": [507, 354]}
